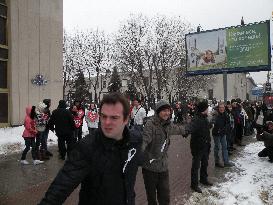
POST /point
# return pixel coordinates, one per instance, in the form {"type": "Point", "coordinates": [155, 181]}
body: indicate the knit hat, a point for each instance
{"type": "Point", "coordinates": [202, 106]}
{"type": "Point", "coordinates": [161, 105]}
{"type": "Point", "coordinates": [238, 100]}
{"type": "Point", "coordinates": [41, 106]}
{"type": "Point", "coordinates": [233, 101]}
{"type": "Point", "coordinates": [47, 102]}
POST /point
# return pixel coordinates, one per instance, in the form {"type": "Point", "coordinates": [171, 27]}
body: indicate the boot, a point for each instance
{"type": "Point", "coordinates": [48, 153]}
{"type": "Point", "coordinates": [196, 189]}
{"type": "Point", "coordinates": [38, 155]}
{"type": "Point", "coordinates": [44, 156]}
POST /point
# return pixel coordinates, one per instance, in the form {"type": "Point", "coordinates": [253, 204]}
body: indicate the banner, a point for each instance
{"type": "Point", "coordinates": [231, 50]}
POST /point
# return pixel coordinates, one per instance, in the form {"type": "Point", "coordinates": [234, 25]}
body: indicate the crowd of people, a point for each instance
{"type": "Point", "coordinates": [121, 138]}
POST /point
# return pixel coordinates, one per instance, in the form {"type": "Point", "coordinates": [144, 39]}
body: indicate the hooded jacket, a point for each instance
{"type": "Point", "coordinates": [105, 168]}
{"type": "Point", "coordinates": [156, 141]}
{"type": "Point", "coordinates": [30, 125]}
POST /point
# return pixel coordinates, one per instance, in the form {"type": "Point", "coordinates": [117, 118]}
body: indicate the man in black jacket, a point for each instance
{"type": "Point", "coordinates": [105, 164]}
{"type": "Point", "coordinates": [200, 146]}
{"type": "Point", "coordinates": [62, 122]}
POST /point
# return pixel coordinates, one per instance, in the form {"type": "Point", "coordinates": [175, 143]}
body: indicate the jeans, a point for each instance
{"type": "Point", "coordinates": [29, 142]}
{"type": "Point", "coordinates": [217, 141]}
{"type": "Point", "coordinates": [157, 187]}
{"type": "Point", "coordinates": [41, 139]}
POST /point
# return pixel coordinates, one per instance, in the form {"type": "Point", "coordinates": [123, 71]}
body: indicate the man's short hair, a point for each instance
{"type": "Point", "coordinates": [114, 98]}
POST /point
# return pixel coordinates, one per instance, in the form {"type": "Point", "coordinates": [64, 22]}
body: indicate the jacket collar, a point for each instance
{"type": "Point", "coordinates": [110, 143]}
{"type": "Point", "coordinates": [159, 121]}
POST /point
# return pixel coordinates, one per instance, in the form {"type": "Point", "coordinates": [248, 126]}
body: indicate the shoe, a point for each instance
{"type": "Point", "coordinates": [217, 164]}
{"type": "Point", "coordinates": [206, 183]}
{"type": "Point", "coordinates": [270, 160]}
{"type": "Point", "coordinates": [44, 156]}
{"type": "Point", "coordinates": [229, 164]}
{"type": "Point", "coordinates": [37, 161]}
{"type": "Point", "coordinates": [196, 189]}
{"type": "Point", "coordinates": [48, 153]}
{"type": "Point", "coordinates": [25, 162]}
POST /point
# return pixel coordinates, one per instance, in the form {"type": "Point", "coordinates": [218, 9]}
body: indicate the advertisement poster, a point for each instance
{"type": "Point", "coordinates": [235, 49]}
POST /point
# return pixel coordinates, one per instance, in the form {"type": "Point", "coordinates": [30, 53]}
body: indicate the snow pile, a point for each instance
{"type": "Point", "coordinates": [250, 184]}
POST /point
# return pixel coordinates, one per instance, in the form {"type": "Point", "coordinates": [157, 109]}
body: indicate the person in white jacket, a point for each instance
{"type": "Point", "coordinates": [92, 118]}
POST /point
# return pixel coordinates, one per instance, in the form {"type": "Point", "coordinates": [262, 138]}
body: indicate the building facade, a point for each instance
{"type": "Point", "coordinates": [31, 38]}
{"type": "Point", "coordinates": [238, 86]}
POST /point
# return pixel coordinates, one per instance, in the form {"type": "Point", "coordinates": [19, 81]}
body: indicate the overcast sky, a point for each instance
{"type": "Point", "coordinates": [210, 14]}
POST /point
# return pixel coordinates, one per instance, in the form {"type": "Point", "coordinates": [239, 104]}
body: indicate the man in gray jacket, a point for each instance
{"type": "Point", "coordinates": [156, 141]}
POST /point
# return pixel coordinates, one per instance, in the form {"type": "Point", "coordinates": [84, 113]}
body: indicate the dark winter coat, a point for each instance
{"type": "Point", "coordinates": [101, 166]}
{"type": "Point", "coordinates": [200, 133]}
{"type": "Point", "coordinates": [156, 141]}
{"type": "Point", "coordinates": [221, 124]}
{"type": "Point", "coordinates": [267, 137]}
{"type": "Point", "coordinates": [63, 121]}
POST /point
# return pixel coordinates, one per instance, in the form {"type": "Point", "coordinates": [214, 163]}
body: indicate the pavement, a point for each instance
{"type": "Point", "coordinates": [27, 184]}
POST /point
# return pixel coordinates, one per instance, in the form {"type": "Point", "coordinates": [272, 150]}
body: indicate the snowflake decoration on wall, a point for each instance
{"type": "Point", "coordinates": [39, 80]}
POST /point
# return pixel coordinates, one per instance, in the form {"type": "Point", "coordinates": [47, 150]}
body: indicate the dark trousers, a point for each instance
{"type": "Point", "coordinates": [201, 156]}
{"type": "Point", "coordinates": [29, 142]}
{"type": "Point", "coordinates": [45, 139]}
{"type": "Point", "coordinates": [157, 187]}
{"type": "Point", "coordinates": [92, 130]}
{"type": "Point", "coordinates": [268, 151]}
{"type": "Point", "coordinates": [78, 133]}
{"type": "Point", "coordinates": [65, 144]}
{"type": "Point", "coordinates": [239, 133]}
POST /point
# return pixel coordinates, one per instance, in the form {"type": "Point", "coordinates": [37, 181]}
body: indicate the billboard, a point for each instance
{"type": "Point", "coordinates": [232, 50]}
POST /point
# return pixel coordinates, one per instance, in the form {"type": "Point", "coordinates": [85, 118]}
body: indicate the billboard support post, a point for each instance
{"type": "Point", "coordinates": [225, 86]}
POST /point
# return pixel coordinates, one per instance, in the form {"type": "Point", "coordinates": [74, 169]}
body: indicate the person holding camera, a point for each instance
{"type": "Point", "coordinates": [267, 137]}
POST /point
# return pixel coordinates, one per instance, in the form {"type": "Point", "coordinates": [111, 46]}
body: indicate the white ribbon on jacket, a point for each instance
{"type": "Point", "coordinates": [131, 154]}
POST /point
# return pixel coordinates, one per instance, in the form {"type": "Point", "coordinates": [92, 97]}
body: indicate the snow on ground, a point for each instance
{"type": "Point", "coordinates": [250, 184]}
{"type": "Point", "coordinates": [11, 139]}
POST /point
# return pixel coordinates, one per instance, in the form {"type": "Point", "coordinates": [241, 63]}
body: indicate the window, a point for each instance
{"type": "Point", "coordinates": [3, 23]}
{"type": "Point", "coordinates": [3, 75]}
{"type": "Point", "coordinates": [3, 107]}
{"type": "Point", "coordinates": [4, 92]}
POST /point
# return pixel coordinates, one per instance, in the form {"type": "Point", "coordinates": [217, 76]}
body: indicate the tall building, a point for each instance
{"type": "Point", "coordinates": [31, 38]}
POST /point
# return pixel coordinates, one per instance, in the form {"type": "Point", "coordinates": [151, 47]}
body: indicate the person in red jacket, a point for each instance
{"type": "Point", "coordinates": [29, 136]}
{"type": "Point", "coordinates": [78, 115]}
